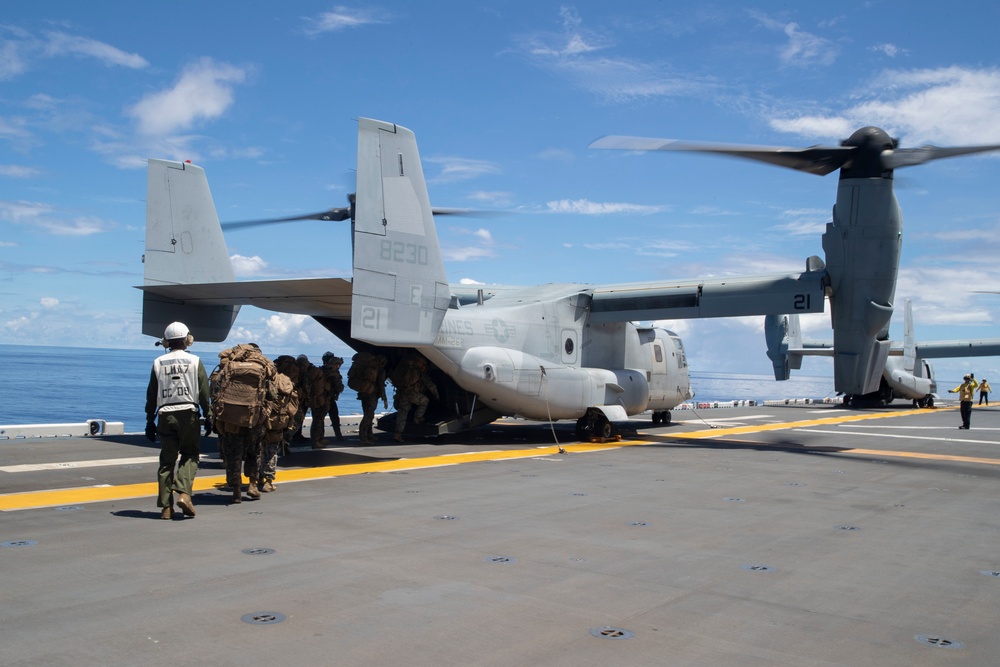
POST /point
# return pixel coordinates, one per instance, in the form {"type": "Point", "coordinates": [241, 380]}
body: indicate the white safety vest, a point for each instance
{"type": "Point", "coordinates": [177, 377]}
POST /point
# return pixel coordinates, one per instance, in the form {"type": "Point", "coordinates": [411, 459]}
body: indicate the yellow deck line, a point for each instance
{"type": "Point", "coordinates": [780, 426]}
{"type": "Point", "coordinates": [920, 455]}
{"type": "Point", "coordinates": [94, 494]}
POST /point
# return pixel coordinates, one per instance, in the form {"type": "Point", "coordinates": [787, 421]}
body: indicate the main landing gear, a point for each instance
{"type": "Point", "coordinates": [594, 424]}
{"type": "Point", "coordinates": [661, 417]}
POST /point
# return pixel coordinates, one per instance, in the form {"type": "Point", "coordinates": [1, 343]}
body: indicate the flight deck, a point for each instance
{"type": "Point", "coordinates": [767, 535]}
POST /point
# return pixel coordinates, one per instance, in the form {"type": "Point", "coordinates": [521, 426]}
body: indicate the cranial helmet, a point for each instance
{"type": "Point", "coordinates": [176, 330]}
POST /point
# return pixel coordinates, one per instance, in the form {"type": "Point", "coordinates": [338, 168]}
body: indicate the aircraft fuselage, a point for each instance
{"type": "Point", "coordinates": [542, 359]}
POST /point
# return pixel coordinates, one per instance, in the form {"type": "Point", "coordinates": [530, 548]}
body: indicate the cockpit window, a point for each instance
{"type": "Point", "coordinates": [657, 353]}
{"type": "Point", "coordinates": [679, 347]}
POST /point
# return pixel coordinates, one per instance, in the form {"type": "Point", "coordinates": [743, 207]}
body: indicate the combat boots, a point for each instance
{"type": "Point", "coordinates": [252, 490]}
{"type": "Point", "coordinates": [266, 486]}
{"type": "Point", "coordinates": [167, 513]}
{"type": "Point", "coordinates": [237, 495]}
{"type": "Point", "coordinates": [186, 504]}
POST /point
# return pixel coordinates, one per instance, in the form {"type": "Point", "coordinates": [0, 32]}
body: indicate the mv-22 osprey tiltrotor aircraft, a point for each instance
{"type": "Point", "coordinates": [557, 351]}
{"type": "Point", "coordinates": [907, 373]}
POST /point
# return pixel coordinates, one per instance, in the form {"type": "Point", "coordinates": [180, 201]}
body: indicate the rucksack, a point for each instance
{"type": "Point", "coordinates": [239, 387]}
{"type": "Point", "coordinates": [283, 405]}
{"type": "Point", "coordinates": [405, 375]}
{"type": "Point", "coordinates": [363, 373]}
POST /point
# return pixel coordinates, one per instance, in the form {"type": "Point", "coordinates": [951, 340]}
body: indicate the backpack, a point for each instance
{"type": "Point", "coordinates": [239, 387]}
{"type": "Point", "coordinates": [319, 390]}
{"type": "Point", "coordinates": [406, 375]}
{"type": "Point", "coordinates": [363, 373]}
{"type": "Point", "coordinates": [283, 405]}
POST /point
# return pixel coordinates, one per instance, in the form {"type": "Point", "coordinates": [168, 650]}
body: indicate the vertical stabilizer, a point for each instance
{"type": "Point", "coordinates": [184, 244]}
{"type": "Point", "coordinates": [909, 338]}
{"type": "Point", "coordinates": [400, 293]}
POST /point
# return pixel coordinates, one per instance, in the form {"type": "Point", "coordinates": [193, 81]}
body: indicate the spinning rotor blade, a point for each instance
{"type": "Point", "coordinates": [908, 157]}
{"type": "Point", "coordinates": [333, 215]}
{"type": "Point", "coordinates": [344, 213]}
{"type": "Point", "coordinates": [819, 160]}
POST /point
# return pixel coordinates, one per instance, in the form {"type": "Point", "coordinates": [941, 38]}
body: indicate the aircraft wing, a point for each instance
{"type": "Point", "coordinates": [317, 297]}
{"type": "Point", "coordinates": [721, 297]}
{"type": "Point", "coordinates": [987, 347]}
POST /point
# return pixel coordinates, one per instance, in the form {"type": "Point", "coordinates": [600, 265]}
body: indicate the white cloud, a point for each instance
{"type": "Point", "coordinates": [17, 171]}
{"type": "Point", "coordinates": [556, 154]}
{"type": "Point", "coordinates": [587, 207]}
{"type": "Point", "coordinates": [49, 302]}
{"type": "Point", "coordinates": [815, 126]}
{"type": "Point", "coordinates": [890, 50]}
{"type": "Point", "coordinates": [466, 253]}
{"type": "Point", "coordinates": [11, 63]}
{"type": "Point", "coordinates": [944, 106]}
{"type": "Point", "coordinates": [340, 18]}
{"type": "Point", "coordinates": [496, 198]}
{"type": "Point", "coordinates": [248, 266]}
{"type": "Point", "coordinates": [79, 226]}
{"type": "Point", "coordinates": [280, 325]}
{"type": "Point", "coordinates": [803, 49]}
{"type": "Point", "coordinates": [461, 169]}
{"type": "Point", "coordinates": [204, 91]}
{"type": "Point", "coordinates": [62, 44]}
{"type": "Point", "coordinates": [804, 222]}
{"type": "Point", "coordinates": [46, 217]}
{"type": "Point", "coordinates": [573, 53]}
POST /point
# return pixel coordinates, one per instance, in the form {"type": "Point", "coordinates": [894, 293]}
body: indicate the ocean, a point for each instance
{"type": "Point", "coordinates": [53, 385]}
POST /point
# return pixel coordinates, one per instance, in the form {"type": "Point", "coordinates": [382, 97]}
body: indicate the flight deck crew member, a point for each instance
{"type": "Point", "coordinates": [965, 392]}
{"type": "Point", "coordinates": [178, 387]}
{"type": "Point", "coordinates": [984, 392]}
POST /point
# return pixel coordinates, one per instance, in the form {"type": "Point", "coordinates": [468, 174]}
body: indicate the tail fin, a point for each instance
{"type": "Point", "coordinates": [184, 245]}
{"type": "Point", "coordinates": [909, 338]}
{"type": "Point", "coordinates": [400, 292]}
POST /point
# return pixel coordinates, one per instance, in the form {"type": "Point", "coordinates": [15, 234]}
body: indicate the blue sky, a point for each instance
{"type": "Point", "coordinates": [504, 98]}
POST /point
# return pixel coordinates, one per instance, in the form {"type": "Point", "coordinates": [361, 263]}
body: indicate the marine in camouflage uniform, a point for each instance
{"type": "Point", "coordinates": [304, 391]}
{"type": "Point", "coordinates": [288, 365]}
{"type": "Point", "coordinates": [369, 400]}
{"type": "Point", "coordinates": [319, 403]}
{"type": "Point", "coordinates": [241, 447]}
{"type": "Point", "coordinates": [284, 403]}
{"type": "Point", "coordinates": [335, 385]}
{"type": "Point", "coordinates": [414, 385]}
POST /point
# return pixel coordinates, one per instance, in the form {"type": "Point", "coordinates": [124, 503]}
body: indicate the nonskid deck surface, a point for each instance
{"type": "Point", "coordinates": [801, 535]}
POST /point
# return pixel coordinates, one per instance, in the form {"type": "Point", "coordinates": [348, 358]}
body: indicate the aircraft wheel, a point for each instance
{"type": "Point", "coordinates": [594, 423]}
{"type": "Point", "coordinates": [666, 416]}
{"type": "Point", "coordinates": [657, 417]}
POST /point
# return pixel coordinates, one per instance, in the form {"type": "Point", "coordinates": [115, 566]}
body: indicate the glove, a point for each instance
{"type": "Point", "coordinates": [208, 425]}
{"type": "Point", "coordinates": [151, 431]}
